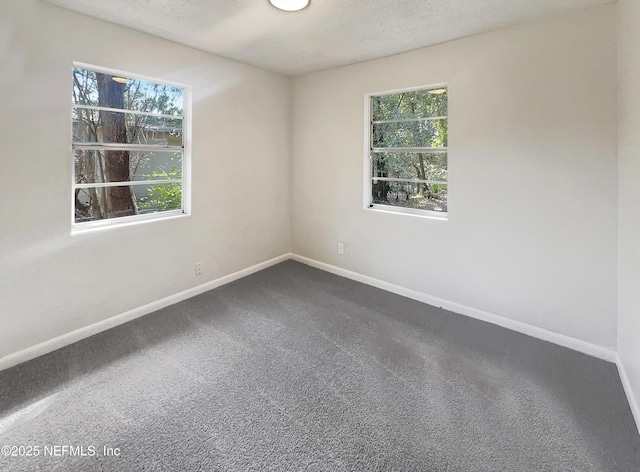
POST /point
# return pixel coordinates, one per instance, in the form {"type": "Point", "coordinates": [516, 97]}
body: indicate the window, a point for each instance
{"type": "Point", "coordinates": [128, 148]}
{"type": "Point", "coordinates": [408, 151]}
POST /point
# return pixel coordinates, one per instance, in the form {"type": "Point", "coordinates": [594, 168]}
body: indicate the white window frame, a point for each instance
{"type": "Point", "coordinates": [367, 168]}
{"type": "Point", "coordinates": [185, 210]}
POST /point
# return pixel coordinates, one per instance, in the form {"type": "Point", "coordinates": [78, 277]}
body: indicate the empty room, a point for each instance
{"type": "Point", "coordinates": [325, 235]}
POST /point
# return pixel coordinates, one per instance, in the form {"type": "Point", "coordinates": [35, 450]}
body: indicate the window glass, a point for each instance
{"type": "Point", "coordinates": [408, 139]}
{"type": "Point", "coordinates": [125, 131]}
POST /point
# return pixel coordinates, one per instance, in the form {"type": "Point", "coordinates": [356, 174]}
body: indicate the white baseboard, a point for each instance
{"type": "Point", "coordinates": [82, 333]}
{"type": "Point", "coordinates": [567, 341]}
{"type": "Point", "coordinates": [626, 384]}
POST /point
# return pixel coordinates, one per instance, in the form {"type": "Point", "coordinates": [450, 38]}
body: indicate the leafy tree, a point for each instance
{"type": "Point", "coordinates": [380, 188]}
{"type": "Point", "coordinates": [163, 197]}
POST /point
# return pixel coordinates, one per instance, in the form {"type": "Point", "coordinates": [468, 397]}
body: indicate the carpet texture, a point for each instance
{"type": "Point", "coordinates": [295, 369]}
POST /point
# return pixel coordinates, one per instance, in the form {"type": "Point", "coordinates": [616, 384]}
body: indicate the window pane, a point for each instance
{"type": "Point", "coordinates": [98, 166]}
{"type": "Point", "coordinates": [99, 203]}
{"type": "Point", "coordinates": [410, 195]}
{"type": "Point", "coordinates": [423, 166]}
{"type": "Point", "coordinates": [112, 91]}
{"type": "Point", "coordinates": [410, 134]}
{"type": "Point", "coordinates": [416, 104]}
{"type": "Point", "coordinates": [94, 126]}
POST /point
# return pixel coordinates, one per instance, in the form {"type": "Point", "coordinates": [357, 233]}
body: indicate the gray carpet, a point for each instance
{"type": "Point", "coordinates": [294, 369]}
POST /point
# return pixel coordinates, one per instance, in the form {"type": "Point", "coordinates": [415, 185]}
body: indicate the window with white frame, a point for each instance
{"type": "Point", "coordinates": [408, 151]}
{"type": "Point", "coordinates": [128, 147]}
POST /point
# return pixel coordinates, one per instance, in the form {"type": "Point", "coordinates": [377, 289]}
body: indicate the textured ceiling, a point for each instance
{"type": "Point", "coordinates": [329, 33]}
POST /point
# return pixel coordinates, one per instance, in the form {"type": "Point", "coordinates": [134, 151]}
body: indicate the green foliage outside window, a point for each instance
{"type": "Point", "coordinates": [415, 123]}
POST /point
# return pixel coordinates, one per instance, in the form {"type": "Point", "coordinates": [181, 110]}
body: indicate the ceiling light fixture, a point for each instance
{"type": "Point", "coordinates": [120, 80]}
{"type": "Point", "coordinates": [439, 91]}
{"type": "Point", "coordinates": [290, 5]}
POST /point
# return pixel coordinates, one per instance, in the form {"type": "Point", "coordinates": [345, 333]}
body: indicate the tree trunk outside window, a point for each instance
{"type": "Point", "coordinates": [120, 200]}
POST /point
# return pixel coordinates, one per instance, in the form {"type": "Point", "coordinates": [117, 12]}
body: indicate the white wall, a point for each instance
{"type": "Point", "coordinates": [532, 223]}
{"type": "Point", "coordinates": [51, 282]}
{"type": "Point", "coordinates": [629, 173]}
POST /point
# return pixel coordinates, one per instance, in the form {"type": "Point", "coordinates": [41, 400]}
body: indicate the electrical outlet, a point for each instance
{"type": "Point", "coordinates": [340, 249]}
{"type": "Point", "coordinates": [198, 268]}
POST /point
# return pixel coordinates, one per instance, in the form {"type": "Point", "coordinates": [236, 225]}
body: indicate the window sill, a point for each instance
{"type": "Point", "coordinates": [431, 215]}
{"type": "Point", "coordinates": [101, 225]}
